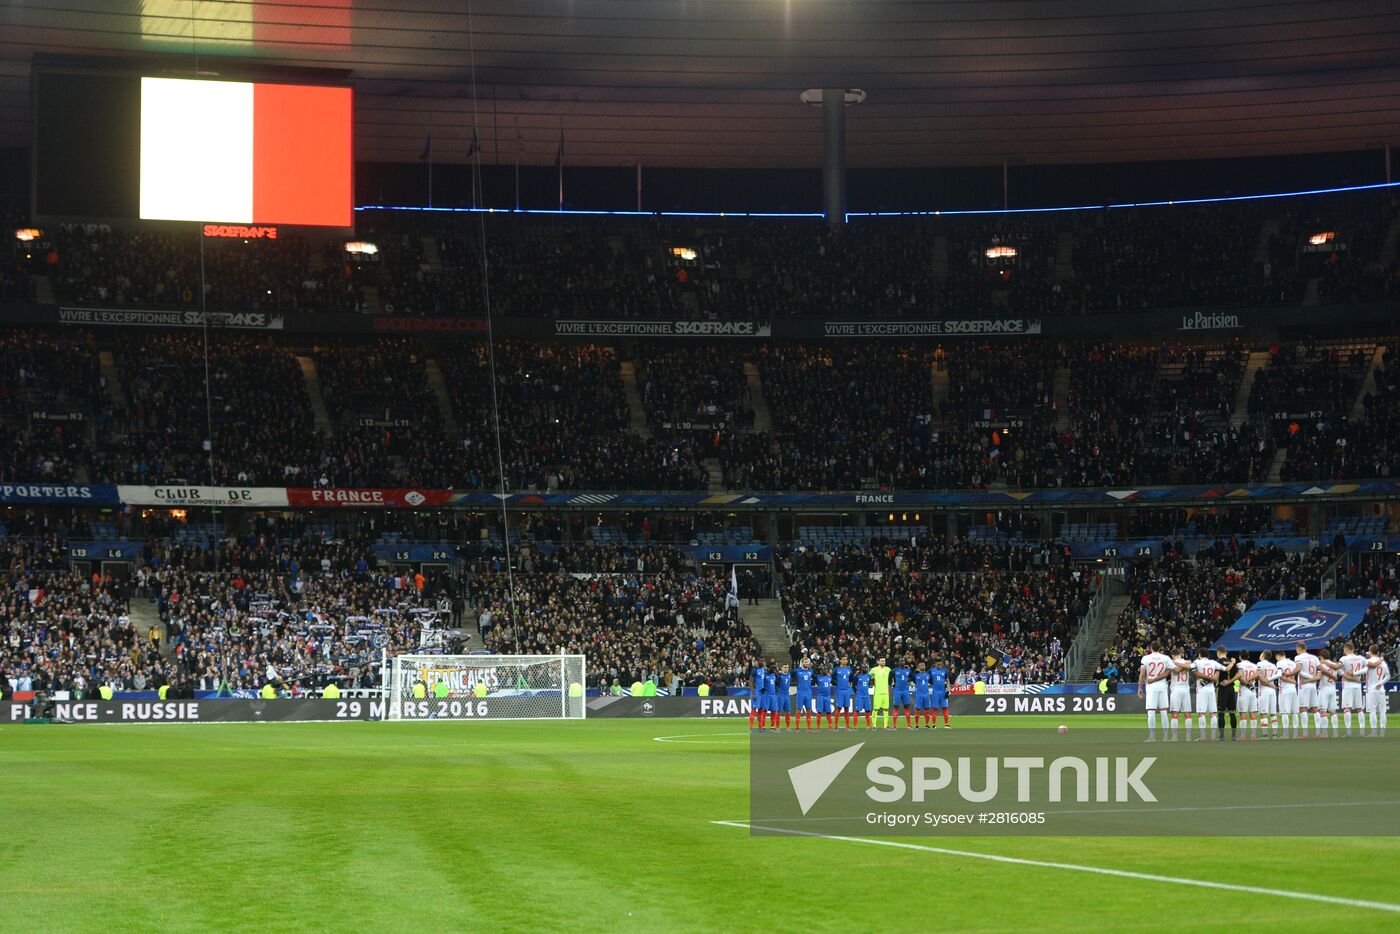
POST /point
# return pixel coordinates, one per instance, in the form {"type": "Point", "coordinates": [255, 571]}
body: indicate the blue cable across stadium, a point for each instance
{"type": "Point", "coordinates": [817, 215]}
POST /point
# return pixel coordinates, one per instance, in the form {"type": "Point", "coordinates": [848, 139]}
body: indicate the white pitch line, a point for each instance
{"type": "Point", "coordinates": [1309, 805]}
{"type": "Point", "coordinates": [1075, 867]}
{"type": "Point", "coordinates": [683, 737]}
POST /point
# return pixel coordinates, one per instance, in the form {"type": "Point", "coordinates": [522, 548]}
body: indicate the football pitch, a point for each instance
{"type": "Point", "coordinates": [596, 825]}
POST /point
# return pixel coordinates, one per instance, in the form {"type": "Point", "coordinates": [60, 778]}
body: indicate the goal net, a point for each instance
{"type": "Point", "coordinates": [484, 687]}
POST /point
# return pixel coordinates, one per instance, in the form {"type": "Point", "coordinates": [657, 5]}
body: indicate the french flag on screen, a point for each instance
{"type": "Point", "coordinates": [237, 152]}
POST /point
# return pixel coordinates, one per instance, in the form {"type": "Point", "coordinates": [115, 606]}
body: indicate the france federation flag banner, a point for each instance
{"type": "Point", "coordinates": [1282, 624]}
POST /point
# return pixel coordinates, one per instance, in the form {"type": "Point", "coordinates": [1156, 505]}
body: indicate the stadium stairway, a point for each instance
{"type": "Point", "coordinates": [1276, 466]}
{"type": "Point", "coordinates": [438, 385]}
{"type": "Point", "coordinates": [43, 290]}
{"type": "Point", "coordinates": [1311, 293]}
{"type": "Point", "coordinates": [1392, 241]}
{"type": "Point", "coordinates": [1064, 256]}
{"type": "Point", "coordinates": [1061, 388]}
{"type": "Point", "coordinates": [312, 380]}
{"type": "Point", "coordinates": [432, 258]}
{"type": "Point", "coordinates": [1102, 639]}
{"type": "Point", "coordinates": [373, 304]}
{"type": "Point", "coordinates": [938, 263]}
{"type": "Point", "coordinates": [107, 366]}
{"type": "Point", "coordinates": [1368, 385]}
{"type": "Point", "coordinates": [941, 386]}
{"type": "Point", "coordinates": [145, 616]}
{"type": "Point", "coordinates": [1258, 359]}
{"type": "Point", "coordinates": [765, 620]}
{"type": "Point", "coordinates": [716, 472]}
{"type": "Point", "coordinates": [636, 412]}
{"type": "Point", "coordinates": [1267, 231]}
{"type": "Point", "coordinates": [762, 417]}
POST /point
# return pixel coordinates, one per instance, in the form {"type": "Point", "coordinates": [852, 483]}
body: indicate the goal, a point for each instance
{"type": "Point", "coordinates": [484, 687]}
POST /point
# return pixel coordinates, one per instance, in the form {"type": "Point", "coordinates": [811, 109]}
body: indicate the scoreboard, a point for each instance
{"type": "Point", "coordinates": [161, 148]}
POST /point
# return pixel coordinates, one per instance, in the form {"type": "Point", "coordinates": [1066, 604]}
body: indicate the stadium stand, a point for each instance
{"type": "Point", "coordinates": [1185, 602]}
{"type": "Point", "coordinates": [1171, 256]}
{"type": "Point", "coordinates": [649, 620]}
{"type": "Point", "coordinates": [63, 630]}
{"type": "Point", "coordinates": [96, 265]}
{"type": "Point", "coordinates": [997, 614]}
{"type": "Point", "coordinates": [48, 397]}
{"type": "Point", "coordinates": [849, 416]}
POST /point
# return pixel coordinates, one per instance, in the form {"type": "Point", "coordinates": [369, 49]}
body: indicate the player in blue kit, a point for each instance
{"type": "Point", "coordinates": [899, 694]}
{"type": "Point", "coordinates": [921, 697]}
{"type": "Point", "coordinates": [760, 675]}
{"type": "Point", "coordinates": [804, 693]}
{"type": "Point", "coordinates": [770, 698]}
{"type": "Point", "coordinates": [842, 675]}
{"type": "Point", "coordinates": [938, 690]}
{"type": "Point", "coordinates": [784, 697]}
{"type": "Point", "coordinates": [824, 702]}
{"type": "Point", "coordinates": [862, 700]}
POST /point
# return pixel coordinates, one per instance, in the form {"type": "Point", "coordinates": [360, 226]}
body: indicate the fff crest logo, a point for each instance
{"type": "Point", "coordinates": [1282, 629]}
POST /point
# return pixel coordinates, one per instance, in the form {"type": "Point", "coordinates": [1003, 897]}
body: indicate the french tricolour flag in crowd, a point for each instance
{"type": "Point", "coordinates": [239, 152]}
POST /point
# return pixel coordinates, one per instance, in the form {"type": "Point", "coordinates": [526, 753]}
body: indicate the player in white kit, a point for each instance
{"type": "Point", "coordinates": [1248, 701]}
{"type": "Point", "coordinates": [1377, 701]}
{"type": "Point", "coordinates": [1207, 672]}
{"type": "Point", "coordinates": [1153, 673]}
{"type": "Point", "coordinates": [1308, 668]}
{"type": "Point", "coordinates": [1288, 695]}
{"type": "Point", "coordinates": [1180, 696]}
{"type": "Point", "coordinates": [1266, 675]}
{"type": "Point", "coordinates": [1353, 672]}
{"type": "Point", "coordinates": [1328, 672]}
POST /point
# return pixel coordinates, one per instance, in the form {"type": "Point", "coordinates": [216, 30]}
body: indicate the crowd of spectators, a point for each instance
{"type": "Point", "coordinates": [1374, 576]}
{"type": "Point", "coordinates": [843, 415]}
{"type": "Point", "coordinates": [96, 265]}
{"type": "Point", "coordinates": [1189, 255]}
{"type": "Point", "coordinates": [564, 422]}
{"type": "Point", "coordinates": [256, 415]}
{"type": "Point", "coordinates": [652, 621]}
{"type": "Point", "coordinates": [1184, 603]}
{"type": "Point", "coordinates": [1333, 447]}
{"type": "Point", "coordinates": [547, 268]}
{"type": "Point", "coordinates": [49, 392]}
{"type": "Point", "coordinates": [64, 630]}
{"type": "Point", "coordinates": [1091, 261]}
{"type": "Point", "coordinates": [703, 386]}
{"type": "Point", "coordinates": [1008, 414]}
{"type": "Point", "coordinates": [385, 416]}
{"type": "Point", "coordinates": [286, 603]}
{"type": "Point", "coordinates": [296, 613]}
{"type": "Point", "coordinates": [999, 614]}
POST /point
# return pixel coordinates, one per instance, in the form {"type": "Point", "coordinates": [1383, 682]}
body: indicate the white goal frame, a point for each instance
{"type": "Point", "coordinates": [556, 674]}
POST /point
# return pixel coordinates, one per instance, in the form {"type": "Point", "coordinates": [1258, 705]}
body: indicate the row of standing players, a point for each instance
{"type": "Point", "coordinates": [839, 696]}
{"type": "Point", "coordinates": [1270, 696]}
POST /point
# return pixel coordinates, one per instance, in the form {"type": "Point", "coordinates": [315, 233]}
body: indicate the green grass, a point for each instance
{"type": "Point", "coordinates": [497, 826]}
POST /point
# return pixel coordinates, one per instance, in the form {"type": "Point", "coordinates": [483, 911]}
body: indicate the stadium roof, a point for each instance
{"type": "Point", "coordinates": [715, 83]}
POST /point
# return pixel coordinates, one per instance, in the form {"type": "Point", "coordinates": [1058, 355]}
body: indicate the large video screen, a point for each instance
{"type": "Point", "coordinates": [177, 149]}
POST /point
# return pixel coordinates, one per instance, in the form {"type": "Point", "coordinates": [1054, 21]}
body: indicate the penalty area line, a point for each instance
{"type": "Point", "coordinates": [1076, 867]}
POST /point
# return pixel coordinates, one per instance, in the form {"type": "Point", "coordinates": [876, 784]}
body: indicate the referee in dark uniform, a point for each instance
{"type": "Point", "coordinates": [1225, 695]}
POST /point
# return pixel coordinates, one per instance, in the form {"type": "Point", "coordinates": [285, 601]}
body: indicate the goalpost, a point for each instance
{"type": "Point", "coordinates": [484, 687]}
